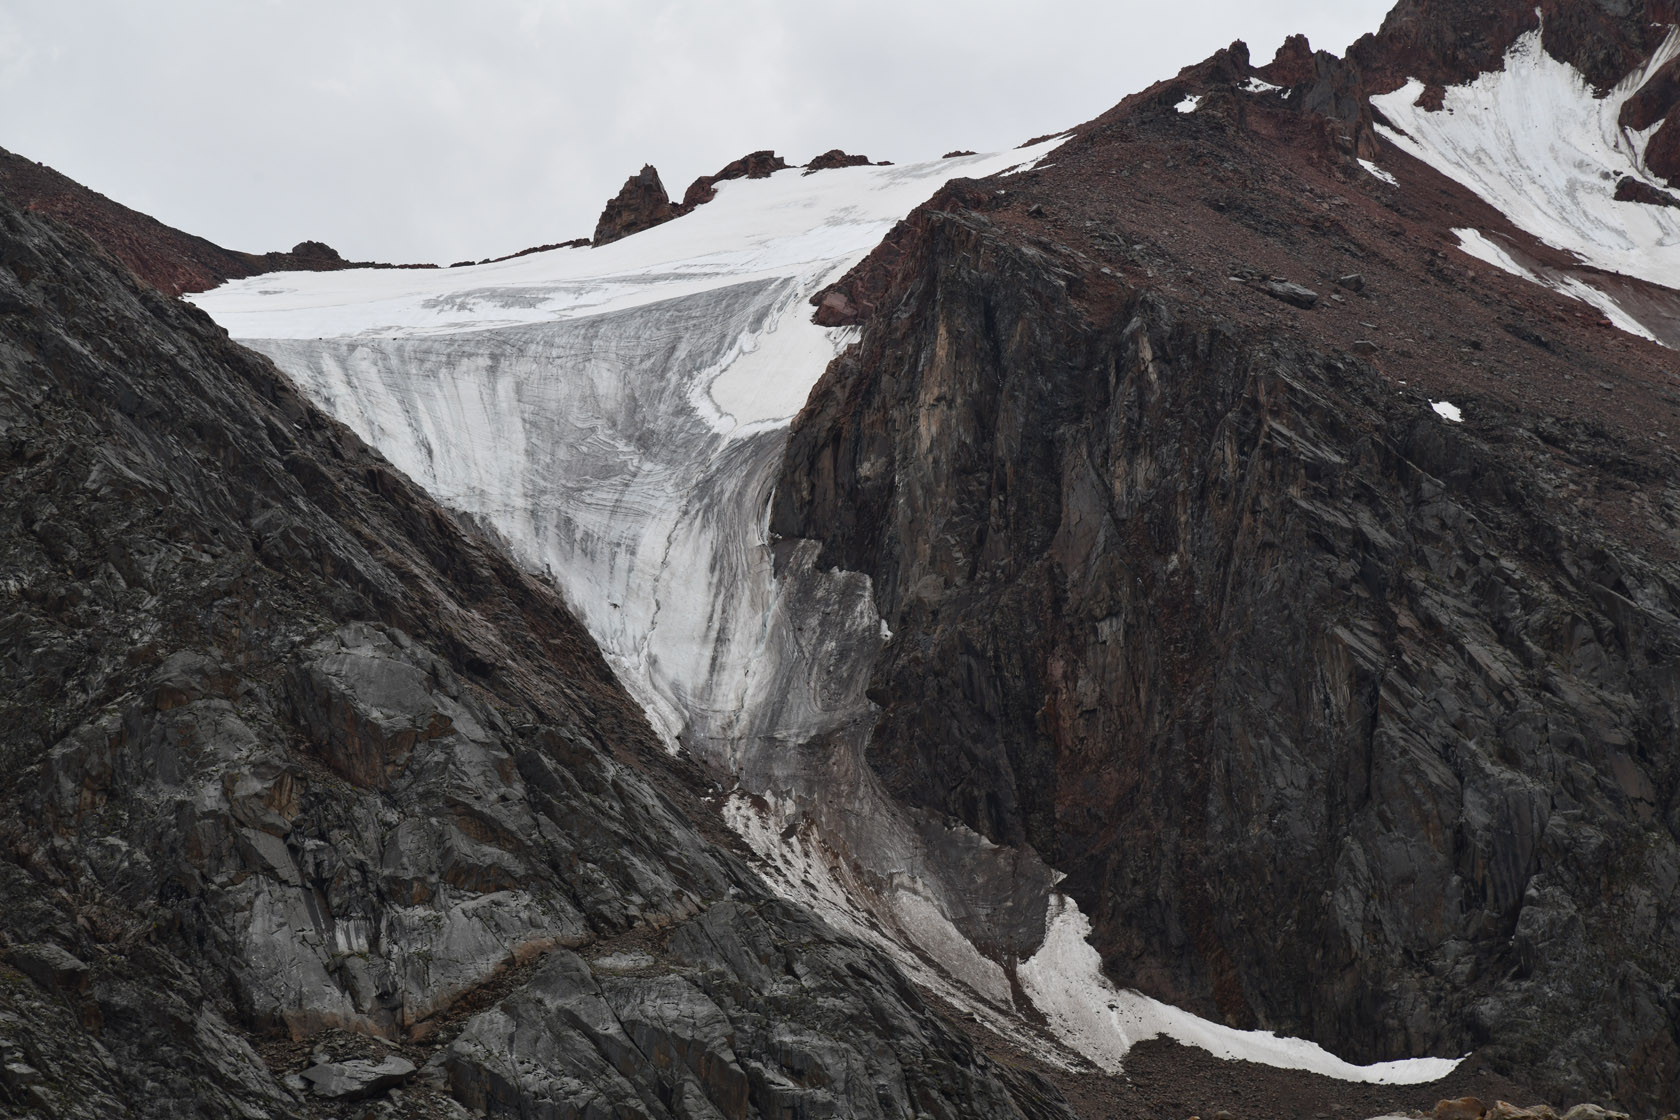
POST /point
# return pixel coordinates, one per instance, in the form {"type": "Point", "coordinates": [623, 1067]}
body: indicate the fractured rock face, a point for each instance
{"type": "Point", "coordinates": [1245, 641]}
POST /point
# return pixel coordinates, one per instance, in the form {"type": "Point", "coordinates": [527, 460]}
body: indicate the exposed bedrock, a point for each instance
{"type": "Point", "coordinates": [1445, 42]}
{"type": "Point", "coordinates": [287, 748]}
{"type": "Point", "coordinates": [1343, 721]}
{"type": "Point", "coordinates": [640, 204]}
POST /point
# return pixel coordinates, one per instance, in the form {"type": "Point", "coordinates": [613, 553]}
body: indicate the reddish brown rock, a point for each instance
{"type": "Point", "coordinates": [1463, 1108]}
{"type": "Point", "coordinates": [640, 204]}
{"type": "Point", "coordinates": [753, 165]}
{"type": "Point", "coordinates": [1662, 153]}
{"type": "Point", "coordinates": [1654, 100]}
{"type": "Point", "coordinates": [1293, 65]}
{"type": "Point", "coordinates": [833, 158]}
{"type": "Point", "coordinates": [1433, 98]}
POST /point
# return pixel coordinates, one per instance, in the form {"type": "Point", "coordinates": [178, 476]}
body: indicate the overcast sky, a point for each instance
{"type": "Point", "coordinates": [436, 130]}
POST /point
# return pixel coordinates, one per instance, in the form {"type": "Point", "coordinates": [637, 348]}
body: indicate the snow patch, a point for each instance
{"type": "Point", "coordinates": [1188, 105]}
{"type": "Point", "coordinates": [1477, 244]}
{"type": "Point", "coordinates": [1379, 173]}
{"type": "Point", "coordinates": [1534, 141]}
{"type": "Point", "coordinates": [1065, 981]}
{"type": "Point", "coordinates": [1446, 410]}
{"type": "Point", "coordinates": [1255, 85]}
{"type": "Point", "coordinates": [1042, 150]}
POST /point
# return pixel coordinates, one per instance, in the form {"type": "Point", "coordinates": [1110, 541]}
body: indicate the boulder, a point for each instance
{"type": "Point", "coordinates": [1593, 1112]}
{"type": "Point", "coordinates": [358, 1078]}
{"type": "Point", "coordinates": [753, 165]}
{"type": "Point", "coordinates": [51, 967]}
{"type": "Point", "coordinates": [833, 158]}
{"type": "Point", "coordinates": [1296, 295]}
{"type": "Point", "coordinates": [1629, 189]}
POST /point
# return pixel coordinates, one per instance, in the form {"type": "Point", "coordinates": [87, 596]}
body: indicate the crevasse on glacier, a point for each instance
{"type": "Point", "coordinates": [617, 415]}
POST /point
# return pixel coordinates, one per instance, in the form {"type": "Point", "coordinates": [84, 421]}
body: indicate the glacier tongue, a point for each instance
{"type": "Point", "coordinates": [617, 416]}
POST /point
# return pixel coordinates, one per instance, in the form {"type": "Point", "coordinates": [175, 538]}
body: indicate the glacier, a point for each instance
{"type": "Point", "coordinates": [616, 416]}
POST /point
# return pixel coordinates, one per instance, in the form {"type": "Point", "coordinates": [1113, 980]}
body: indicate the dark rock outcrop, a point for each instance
{"type": "Point", "coordinates": [753, 165]}
{"type": "Point", "coordinates": [1629, 189]}
{"type": "Point", "coordinates": [833, 158]}
{"type": "Point", "coordinates": [288, 749]}
{"type": "Point", "coordinates": [640, 204]}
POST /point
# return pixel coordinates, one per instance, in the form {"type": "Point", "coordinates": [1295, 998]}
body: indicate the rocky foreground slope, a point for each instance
{"type": "Point", "coordinates": [292, 756]}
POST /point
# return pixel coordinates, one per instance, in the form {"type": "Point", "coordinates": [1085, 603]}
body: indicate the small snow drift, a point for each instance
{"type": "Point", "coordinates": [1065, 981]}
{"type": "Point", "coordinates": [1446, 410]}
{"type": "Point", "coordinates": [1379, 173]}
{"type": "Point", "coordinates": [1505, 258]}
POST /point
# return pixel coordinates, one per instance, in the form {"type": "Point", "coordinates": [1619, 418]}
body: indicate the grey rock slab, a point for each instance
{"type": "Point", "coordinates": [1296, 295]}
{"type": "Point", "coordinates": [53, 968]}
{"type": "Point", "coordinates": [358, 1078]}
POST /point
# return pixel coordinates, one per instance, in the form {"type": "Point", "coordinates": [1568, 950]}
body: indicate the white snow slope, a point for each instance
{"type": "Point", "coordinates": [1533, 141]}
{"type": "Point", "coordinates": [617, 415]}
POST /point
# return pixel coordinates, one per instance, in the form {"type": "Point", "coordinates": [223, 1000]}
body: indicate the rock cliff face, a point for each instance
{"type": "Point", "coordinates": [289, 752]}
{"type": "Point", "coordinates": [1343, 718]}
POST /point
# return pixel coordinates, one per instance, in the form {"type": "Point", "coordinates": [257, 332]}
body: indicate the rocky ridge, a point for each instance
{"type": "Point", "coordinates": [642, 202]}
{"type": "Point", "coordinates": [293, 752]}
{"type": "Point", "coordinates": [171, 261]}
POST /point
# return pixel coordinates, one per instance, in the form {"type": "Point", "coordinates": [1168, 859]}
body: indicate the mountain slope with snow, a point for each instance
{"type": "Point", "coordinates": [618, 416]}
{"type": "Point", "coordinates": [1548, 151]}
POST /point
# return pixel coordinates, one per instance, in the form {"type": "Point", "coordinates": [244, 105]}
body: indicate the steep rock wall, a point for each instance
{"type": "Point", "coordinates": [1342, 720]}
